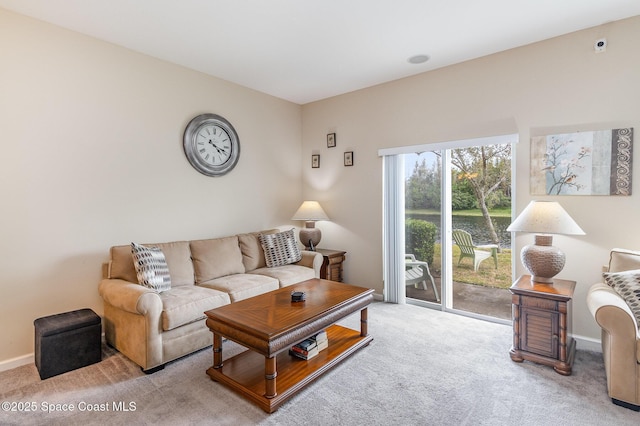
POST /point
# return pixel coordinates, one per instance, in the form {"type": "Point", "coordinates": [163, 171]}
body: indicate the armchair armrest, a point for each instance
{"type": "Point", "coordinates": [620, 342]}
{"type": "Point", "coordinates": [602, 299]}
{"type": "Point", "coordinates": [613, 315]}
{"type": "Point", "coordinates": [410, 261]}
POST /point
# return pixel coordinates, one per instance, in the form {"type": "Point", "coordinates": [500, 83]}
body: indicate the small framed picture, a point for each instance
{"type": "Point", "coordinates": [331, 140]}
{"type": "Point", "coordinates": [315, 161]}
{"type": "Point", "coordinates": [348, 158]}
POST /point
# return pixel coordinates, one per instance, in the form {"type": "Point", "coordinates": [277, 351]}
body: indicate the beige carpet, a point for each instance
{"type": "Point", "coordinates": [424, 367]}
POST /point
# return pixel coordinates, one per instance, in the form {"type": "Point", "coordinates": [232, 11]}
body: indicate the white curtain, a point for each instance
{"type": "Point", "coordinates": [393, 232]}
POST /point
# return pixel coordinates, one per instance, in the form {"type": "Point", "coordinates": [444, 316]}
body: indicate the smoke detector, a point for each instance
{"type": "Point", "coordinates": [600, 45]}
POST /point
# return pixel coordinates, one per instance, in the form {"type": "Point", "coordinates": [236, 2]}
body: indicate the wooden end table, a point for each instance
{"type": "Point", "coordinates": [269, 324]}
{"type": "Point", "coordinates": [542, 323]}
{"type": "Point", "coordinates": [332, 264]}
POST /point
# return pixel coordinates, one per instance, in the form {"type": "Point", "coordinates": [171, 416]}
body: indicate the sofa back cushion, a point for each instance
{"type": "Point", "coordinates": [177, 254]}
{"type": "Point", "coordinates": [252, 252]}
{"type": "Point", "coordinates": [216, 258]}
{"type": "Point", "coordinates": [623, 260]}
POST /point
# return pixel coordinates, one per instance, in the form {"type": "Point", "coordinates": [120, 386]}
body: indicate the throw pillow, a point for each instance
{"type": "Point", "coordinates": [151, 267]}
{"type": "Point", "coordinates": [280, 248]}
{"type": "Point", "coordinates": [627, 285]}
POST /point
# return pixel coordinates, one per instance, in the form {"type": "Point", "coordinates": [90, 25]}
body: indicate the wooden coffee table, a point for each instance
{"type": "Point", "coordinates": [270, 324]}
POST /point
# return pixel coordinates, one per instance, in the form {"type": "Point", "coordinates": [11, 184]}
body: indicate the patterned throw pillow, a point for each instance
{"type": "Point", "coordinates": [280, 249]}
{"type": "Point", "coordinates": [151, 267]}
{"type": "Point", "coordinates": [627, 285]}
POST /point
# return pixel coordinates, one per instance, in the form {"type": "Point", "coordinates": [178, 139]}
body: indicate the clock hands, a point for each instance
{"type": "Point", "coordinates": [220, 150]}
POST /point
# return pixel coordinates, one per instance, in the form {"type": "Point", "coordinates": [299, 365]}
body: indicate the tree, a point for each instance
{"type": "Point", "coordinates": [486, 169]}
{"type": "Point", "coordinates": [423, 186]}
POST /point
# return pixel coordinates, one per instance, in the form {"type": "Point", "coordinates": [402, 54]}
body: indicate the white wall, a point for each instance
{"type": "Point", "coordinates": [558, 85]}
{"type": "Point", "coordinates": [91, 156]}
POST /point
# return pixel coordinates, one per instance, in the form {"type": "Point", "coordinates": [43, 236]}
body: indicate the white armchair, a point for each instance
{"type": "Point", "coordinates": [417, 272]}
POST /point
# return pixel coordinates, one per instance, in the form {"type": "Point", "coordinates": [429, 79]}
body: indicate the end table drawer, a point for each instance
{"type": "Point", "coordinates": [536, 302]}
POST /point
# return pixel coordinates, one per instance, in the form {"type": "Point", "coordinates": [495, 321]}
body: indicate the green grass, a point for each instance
{"type": "Point", "coordinates": [487, 275]}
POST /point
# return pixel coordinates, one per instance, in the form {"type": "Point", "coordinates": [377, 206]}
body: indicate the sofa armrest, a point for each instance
{"type": "Point", "coordinates": [130, 297]}
{"type": "Point", "coordinates": [132, 321]}
{"type": "Point", "coordinates": [311, 259]}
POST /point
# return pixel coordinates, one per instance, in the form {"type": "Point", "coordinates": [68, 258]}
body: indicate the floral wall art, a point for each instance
{"type": "Point", "coordinates": [582, 163]}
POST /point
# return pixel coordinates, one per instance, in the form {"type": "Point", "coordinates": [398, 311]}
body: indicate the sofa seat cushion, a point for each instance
{"type": "Point", "coordinates": [185, 304]}
{"type": "Point", "coordinates": [287, 274]}
{"type": "Point", "coordinates": [242, 286]}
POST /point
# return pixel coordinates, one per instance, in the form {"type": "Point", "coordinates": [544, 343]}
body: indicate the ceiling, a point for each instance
{"type": "Point", "coordinates": [307, 50]}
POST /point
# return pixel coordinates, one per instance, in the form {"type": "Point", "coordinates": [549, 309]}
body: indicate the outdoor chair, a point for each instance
{"type": "Point", "coordinates": [476, 253]}
{"type": "Point", "coordinates": [417, 272]}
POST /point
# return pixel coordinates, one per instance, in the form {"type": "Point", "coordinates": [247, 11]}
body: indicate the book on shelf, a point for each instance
{"type": "Point", "coordinates": [310, 347]}
{"type": "Point", "coordinates": [307, 356]}
{"type": "Point", "coordinates": [306, 344]}
{"type": "Point", "coordinates": [321, 340]}
{"type": "Point", "coordinates": [306, 349]}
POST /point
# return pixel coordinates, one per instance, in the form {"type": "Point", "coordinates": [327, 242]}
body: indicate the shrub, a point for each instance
{"type": "Point", "coordinates": [463, 201]}
{"type": "Point", "coordinates": [420, 237]}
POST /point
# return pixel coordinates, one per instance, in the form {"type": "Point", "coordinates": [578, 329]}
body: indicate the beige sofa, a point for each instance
{"type": "Point", "coordinates": [620, 334]}
{"type": "Point", "coordinates": [153, 328]}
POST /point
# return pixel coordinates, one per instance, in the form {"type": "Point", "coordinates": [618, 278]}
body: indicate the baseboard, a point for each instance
{"type": "Point", "coordinates": [16, 362]}
{"type": "Point", "coordinates": [12, 363]}
{"type": "Point", "coordinates": [582, 343]}
{"type": "Point", "coordinates": [378, 297]}
{"type": "Point", "coordinates": [587, 344]}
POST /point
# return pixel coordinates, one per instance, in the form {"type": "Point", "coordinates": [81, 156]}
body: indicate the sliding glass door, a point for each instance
{"type": "Point", "coordinates": [456, 206]}
{"type": "Point", "coordinates": [423, 224]}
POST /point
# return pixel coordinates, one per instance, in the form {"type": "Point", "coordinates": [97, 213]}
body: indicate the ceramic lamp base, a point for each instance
{"type": "Point", "coordinates": [310, 235]}
{"type": "Point", "coordinates": [542, 260]}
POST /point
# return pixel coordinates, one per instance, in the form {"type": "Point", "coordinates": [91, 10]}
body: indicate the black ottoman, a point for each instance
{"type": "Point", "coordinates": [67, 341]}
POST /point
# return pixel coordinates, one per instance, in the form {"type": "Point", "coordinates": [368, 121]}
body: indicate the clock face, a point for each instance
{"type": "Point", "coordinates": [211, 145]}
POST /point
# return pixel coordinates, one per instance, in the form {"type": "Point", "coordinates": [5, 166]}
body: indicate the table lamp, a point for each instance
{"type": "Point", "coordinates": [310, 212]}
{"type": "Point", "coordinates": [543, 218]}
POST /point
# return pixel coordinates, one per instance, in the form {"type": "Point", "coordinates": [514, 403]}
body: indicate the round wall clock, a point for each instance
{"type": "Point", "coordinates": [211, 145]}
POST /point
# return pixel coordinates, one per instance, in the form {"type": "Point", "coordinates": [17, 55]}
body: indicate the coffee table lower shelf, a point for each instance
{"type": "Point", "coordinates": [245, 372]}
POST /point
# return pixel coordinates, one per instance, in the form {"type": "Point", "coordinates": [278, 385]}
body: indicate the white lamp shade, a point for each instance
{"type": "Point", "coordinates": [545, 217]}
{"type": "Point", "coordinates": [542, 259]}
{"type": "Point", "coordinates": [310, 210]}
